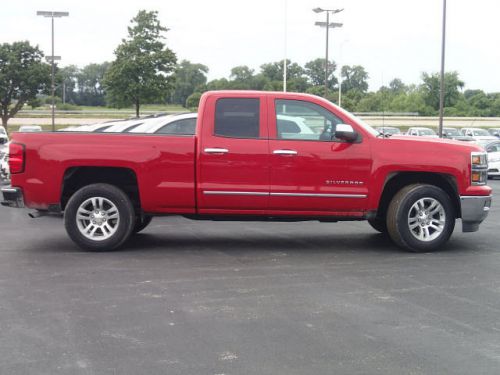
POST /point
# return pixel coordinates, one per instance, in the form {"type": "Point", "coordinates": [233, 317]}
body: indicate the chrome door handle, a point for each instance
{"type": "Point", "coordinates": [285, 152]}
{"type": "Point", "coordinates": [216, 150]}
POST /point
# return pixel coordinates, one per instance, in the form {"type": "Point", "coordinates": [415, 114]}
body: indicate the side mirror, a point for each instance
{"type": "Point", "coordinates": [346, 133]}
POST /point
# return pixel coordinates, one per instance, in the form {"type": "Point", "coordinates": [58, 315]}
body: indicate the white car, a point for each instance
{"type": "Point", "coordinates": [30, 128]}
{"type": "Point", "coordinates": [291, 127]}
{"type": "Point", "coordinates": [478, 134]}
{"type": "Point", "coordinates": [184, 124]}
{"type": "Point", "coordinates": [98, 128]}
{"type": "Point", "coordinates": [422, 132]}
{"type": "Point", "coordinates": [123, 126]}
{"type": "Point", "coordinates": [4, 163]}
{"type": "Point", "coordinates": [4, 138]}
{"type": "Point", "coordinates": [493, 150]}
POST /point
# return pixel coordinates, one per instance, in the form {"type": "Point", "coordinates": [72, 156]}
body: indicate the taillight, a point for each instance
{"type": "Point", "coordinates": [16, 158]}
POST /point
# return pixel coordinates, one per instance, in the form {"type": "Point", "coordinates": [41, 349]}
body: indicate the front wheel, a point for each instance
{"type": "Point", "coordinates": [421, 218]}
{"type": "Point", "coordinates": [99, 217]}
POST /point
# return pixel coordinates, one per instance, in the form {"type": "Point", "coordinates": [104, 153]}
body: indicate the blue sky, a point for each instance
{"type": "Point", "coordinates": [390, 38]}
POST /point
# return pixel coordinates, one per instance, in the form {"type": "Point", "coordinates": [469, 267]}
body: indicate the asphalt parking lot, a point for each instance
{"type": "Point", "coordinates": [247, 298]}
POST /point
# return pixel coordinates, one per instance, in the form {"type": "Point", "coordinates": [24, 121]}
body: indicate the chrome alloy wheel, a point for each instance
{"type": "Point", "coordinates": [97, 218]}
{"type": "Point", "coordinates": [426, 219]}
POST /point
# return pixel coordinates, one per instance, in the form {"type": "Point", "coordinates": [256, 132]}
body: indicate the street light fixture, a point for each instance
{"type": "Point", "coordinates": [328, 26]}
{"type": "Point", "coordinates": [52, 58]}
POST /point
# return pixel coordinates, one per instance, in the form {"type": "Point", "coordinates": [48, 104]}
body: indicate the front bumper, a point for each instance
{"type": "Point", "coordinates": [12, 197]}
{"type": "Point", "coordinates": [474, 211]}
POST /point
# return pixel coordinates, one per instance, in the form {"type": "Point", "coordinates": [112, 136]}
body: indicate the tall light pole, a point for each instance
{"type": "Point", "coordinates": [328, 26]}
{"type": "Point", "coordinates": [441, 85]}
{"type": "Point", "coordinates": [286, 41]}
{"type": "Point", "coordinates": [52, 58]}
{"type": "Point", "coordinates": [340, 72]}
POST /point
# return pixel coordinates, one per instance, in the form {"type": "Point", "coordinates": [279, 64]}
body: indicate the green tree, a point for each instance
{"type": "Point", "coordinates": [91, 84]}
{"type": "Point", "coordinates": [217, 84]}
{"type": "Point", "coordinates": [315, 72]}
{"type": "Point", "coordinates": [431, 89]}
{"type": "Point", "coordinates": [396, 86]}
{"type": "Point", "coordinates": [274, 71]}
{"type": "Point", "coordinates": [142, 71]}
{"type": "Point", "coordinates": [354, 78]}
{"type": "Point", "coordinates": [23, 75]}
{"type": "Point", "coordinates": [193, 100]}
{"type": "Point", "coordinates": [188, 78]}
{"type": "Point", "coordinates": [66, 78]}
{"type": "Point", "coordinates": [242, 78]}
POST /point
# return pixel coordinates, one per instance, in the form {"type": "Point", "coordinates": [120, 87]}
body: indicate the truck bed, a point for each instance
{"type": "Point", "coordinates": [164, 166]}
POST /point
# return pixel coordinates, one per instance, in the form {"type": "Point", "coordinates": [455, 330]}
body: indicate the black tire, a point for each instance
{"type": "Point", "coordinates": [399, 210]}
{"type": "Point", "coordinates": [123, 225]}
{"type": "Point", "coordinates": [378, 224]}
{"type": "Point", "coordinates": [141, 223]}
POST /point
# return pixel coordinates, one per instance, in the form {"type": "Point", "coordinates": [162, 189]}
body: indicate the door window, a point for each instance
{"type": "Point", "coordinates": [298, 120]}
{"type": "Point", "coordinates": [237, 117]}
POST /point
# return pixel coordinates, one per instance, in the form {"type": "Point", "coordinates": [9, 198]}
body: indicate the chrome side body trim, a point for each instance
{"type": "Point", "coordinates": [314, 195]}
{"type": "Point", "coordinates": [214, 192]}
{"type": "Point", "coordinates": [255, 193]}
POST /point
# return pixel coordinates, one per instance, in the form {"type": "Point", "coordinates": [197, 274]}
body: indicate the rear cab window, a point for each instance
{"type": "Point", "coordinates": [237, 118]}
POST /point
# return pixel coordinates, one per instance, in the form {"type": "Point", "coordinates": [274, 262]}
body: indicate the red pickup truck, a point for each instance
{"type": "Point", "coordinates": [254, 156]}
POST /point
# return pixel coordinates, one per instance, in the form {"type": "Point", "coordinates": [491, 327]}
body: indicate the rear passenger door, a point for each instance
{"type": "Point", "coordinates": [233, 175]}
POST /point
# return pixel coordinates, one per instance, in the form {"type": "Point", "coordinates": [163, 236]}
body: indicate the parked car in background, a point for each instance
{"type": "Point", "coordinates": [388, 130]}
{"type": "Point", "coordinates": [123, 127]}
{"type": "Point", "coordinates": [494, 132]}
{"type": "Point", "coordinates": [182, 124]}
{"type": "Point", "coordinates": [422, 132]}
{"type": "Point", "coordinates": [493, 150]}
{"type": "Point", "coordinates": [478, 134]}
{"type": "Point", "coordinates": [4, 138]}
{"type": "Point", "coordinates": [30, 128]}
{"type": "Point", "coordinates": [4, 163]}
{"type": "Point", "coordinates": [454, 133]}
{"type": "Point", "coordinates": [97, 128]}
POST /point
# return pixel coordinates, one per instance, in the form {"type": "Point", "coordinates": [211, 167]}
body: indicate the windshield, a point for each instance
{"type": "Point", "coordinates": [427, 132]}
{"type": "Point", "coordinates": [481, 132]}
{"type": "Point", "coordinates": [361, 122]}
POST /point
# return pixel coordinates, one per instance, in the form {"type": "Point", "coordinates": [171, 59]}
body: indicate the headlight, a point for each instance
{"type": "Point", "coordinates": [479, 168]}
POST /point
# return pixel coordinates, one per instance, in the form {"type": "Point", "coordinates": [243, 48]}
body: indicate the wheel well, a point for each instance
{"type": "Point", "coordinates": [77, 177]}
{"type": "Point", "coordinates": [397, 181]}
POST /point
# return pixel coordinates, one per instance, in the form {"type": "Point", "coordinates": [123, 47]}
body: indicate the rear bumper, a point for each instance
{"type": "Point", "coordinates": [12, 197]}
{"type": "Point", "coordinates": [474, 211]}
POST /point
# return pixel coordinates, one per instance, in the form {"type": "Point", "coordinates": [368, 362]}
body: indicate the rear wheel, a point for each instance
{"type": "Point", "coordinates": [99, 217]}
{"type": "Point", "coordinates": [141, 223]}
{"type": "Point", "coordinates": [421, 218]}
